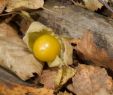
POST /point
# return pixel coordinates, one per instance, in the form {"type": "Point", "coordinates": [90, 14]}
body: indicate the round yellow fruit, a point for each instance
{"type": "Point", "coordinates": [46, 48]}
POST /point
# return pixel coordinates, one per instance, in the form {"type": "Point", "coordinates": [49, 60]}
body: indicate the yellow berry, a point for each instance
{"type": "Point", "coordinates": [46, 48]}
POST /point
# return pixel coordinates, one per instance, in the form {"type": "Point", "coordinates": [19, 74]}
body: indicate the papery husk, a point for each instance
{"type": "Point", "coordinates": [35, 30]}
{"type": "Point", "coordinates": [65, 56]}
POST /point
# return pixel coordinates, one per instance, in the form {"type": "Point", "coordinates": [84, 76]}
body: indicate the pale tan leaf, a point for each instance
{"type": "Point", "coordinates": [68, 52]}
{"type": "Point", "coordinates": [30, 4]}
{"type": "Point", "coordinates": [15, 56]}
{"type": "Point", "coordinates": [67, 73]}
{"type": "Point", "coordinates": [93, 4]}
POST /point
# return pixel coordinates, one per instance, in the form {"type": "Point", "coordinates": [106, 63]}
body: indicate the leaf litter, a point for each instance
{"type": "Point", "coordinates": [61, 74]}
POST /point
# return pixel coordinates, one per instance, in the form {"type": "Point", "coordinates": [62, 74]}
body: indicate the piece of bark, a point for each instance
{"type": "Point", "coordinates": [15, 55]}
{"type": "Point", "coordinates": [91, 80]}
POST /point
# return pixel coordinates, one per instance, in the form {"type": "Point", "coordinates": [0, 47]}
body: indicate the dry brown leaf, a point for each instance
{"type": "Point", "coordinates": [7, 88]}
{"type": "Point", "coordinates": [30, 4]}
{"type": "Point", "coordinates": [2, 5]}
{"type": "Point", "coordinates": [90, 80]}
{"type": "Point", "coordinates": [48, 78]}
{"type": "Point", "coordinates": [87, 49]}
{"type": "Point", "coordinates": [15, 56]}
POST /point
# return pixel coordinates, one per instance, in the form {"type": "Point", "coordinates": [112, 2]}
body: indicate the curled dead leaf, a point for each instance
{"type": "Point", "coordinates": [91, 80]}
{"type": "Point", "coordinates": [87, 49]}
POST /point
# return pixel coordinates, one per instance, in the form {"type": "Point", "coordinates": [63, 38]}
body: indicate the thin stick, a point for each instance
{"type": "Point", "coordinates": [8, 14]}
{"type": "Point", "coordinates": [106, 5]}
{"type": "Point", "coordinates": [49, 10]}
{"type": "Point", "coordinates": [73, 2]}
